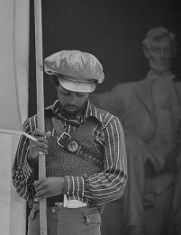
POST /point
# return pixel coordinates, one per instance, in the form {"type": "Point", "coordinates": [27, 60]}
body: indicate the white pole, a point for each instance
{"type": "Point", "coordinates": [40, 105]}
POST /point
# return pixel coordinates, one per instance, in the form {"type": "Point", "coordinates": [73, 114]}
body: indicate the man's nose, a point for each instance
{"type": "Point", "coordinates": [73, 98]}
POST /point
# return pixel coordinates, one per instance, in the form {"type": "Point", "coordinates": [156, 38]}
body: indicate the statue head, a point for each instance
{"type": "Point", "coordinates": [159, 48]}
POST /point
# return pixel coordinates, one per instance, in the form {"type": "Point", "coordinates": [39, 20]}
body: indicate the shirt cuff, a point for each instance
{"type": "Point", "coordinates": [74, 186]}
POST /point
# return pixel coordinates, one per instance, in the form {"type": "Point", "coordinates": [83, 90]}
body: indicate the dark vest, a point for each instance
{"type": "Point", "coordinates": [84, 162]}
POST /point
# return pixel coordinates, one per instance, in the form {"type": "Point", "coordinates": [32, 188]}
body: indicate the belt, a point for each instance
{"type": "Point", "coordinates": [61, 201]}
{"type": "Point", "coordinates": [52, 201]}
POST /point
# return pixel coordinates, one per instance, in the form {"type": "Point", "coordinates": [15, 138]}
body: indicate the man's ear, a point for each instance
{"type": "Point", "coordinates": [146, 51]}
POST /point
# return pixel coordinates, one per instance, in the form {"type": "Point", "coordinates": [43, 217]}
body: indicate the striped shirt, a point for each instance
{"type": "Point", "coordinates": [101, 187]}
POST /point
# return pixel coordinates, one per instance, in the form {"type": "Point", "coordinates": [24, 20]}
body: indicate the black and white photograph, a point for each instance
{"type": "Point", "coordinates": [90, 117]}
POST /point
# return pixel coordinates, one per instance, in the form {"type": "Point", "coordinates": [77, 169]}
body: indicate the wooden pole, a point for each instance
{"type": "Point", "coordinates": [40, 105]}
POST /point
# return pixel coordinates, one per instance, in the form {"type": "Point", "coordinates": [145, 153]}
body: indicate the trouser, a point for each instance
{"type": "Point", "coordinates": [66, 221]}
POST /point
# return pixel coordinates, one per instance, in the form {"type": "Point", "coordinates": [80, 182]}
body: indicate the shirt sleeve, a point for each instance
{"type": "Point", "coordinates": [109, 184]}
{"type": "Point", "coordinates": [22, 172]}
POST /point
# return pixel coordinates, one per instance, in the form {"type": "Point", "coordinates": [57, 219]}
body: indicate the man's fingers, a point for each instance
{"type": "Point", "coordinates": [40, 140]}
{"type": "Point", "coordinates": [37, 183]}
{"type": "Point", "coordinates": [39, 145]}
{"type": "Point", "coordinates": [41, 189]}
{"type": "Point", "coordinates": [37, 133]}
{"type": "Point", "coordinates": [48, 134]}
{"type": "Point", "coordinates": [40, 194]}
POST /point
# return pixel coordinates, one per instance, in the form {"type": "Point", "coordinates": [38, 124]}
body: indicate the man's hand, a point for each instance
{"type": "Point", "coordinates": [51, 186]}
{"type": "Point", "coordinates": [41, 145]}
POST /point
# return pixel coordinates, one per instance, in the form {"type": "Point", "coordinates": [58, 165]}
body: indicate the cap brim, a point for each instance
{"type": "Point", "coordinates": [77, 86]}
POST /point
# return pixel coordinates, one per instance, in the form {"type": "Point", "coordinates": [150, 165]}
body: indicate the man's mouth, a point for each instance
{"type": "Point", "coordinates": [72, 108]}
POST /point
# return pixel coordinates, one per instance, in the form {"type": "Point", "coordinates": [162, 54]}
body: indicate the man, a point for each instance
{"type": "Point", "coordinates": [150, 111]}
{"type": "Point", "coordinates": [84, 148]}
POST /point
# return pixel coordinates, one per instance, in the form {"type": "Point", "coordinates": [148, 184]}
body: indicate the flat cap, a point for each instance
{"type": "Point", "coordinates": [81, 71]}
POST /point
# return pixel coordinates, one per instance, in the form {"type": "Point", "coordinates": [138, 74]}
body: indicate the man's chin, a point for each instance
{"type": "Point", "coordinates": [72, 111]}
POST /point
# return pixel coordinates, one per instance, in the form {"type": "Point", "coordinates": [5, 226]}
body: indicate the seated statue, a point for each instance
{"type": "Point", "coordinates": [150, 111]}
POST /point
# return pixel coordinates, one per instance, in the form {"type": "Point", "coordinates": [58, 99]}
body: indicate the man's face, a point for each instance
{"type": "Point", "coordinates": [159, 55]}
{"type": "Point", "coordinates": [71, 101]}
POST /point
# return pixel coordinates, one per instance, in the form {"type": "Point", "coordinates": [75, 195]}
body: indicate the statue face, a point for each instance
{"type": "Point", "coordinates": [159, 55]}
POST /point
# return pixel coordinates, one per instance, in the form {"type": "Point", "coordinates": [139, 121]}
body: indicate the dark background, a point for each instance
{"type": "Point", "coordinates": [111, 30]}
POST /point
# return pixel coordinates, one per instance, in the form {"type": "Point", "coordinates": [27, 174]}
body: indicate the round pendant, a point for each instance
{"type": "Point", "coordinates": [73, 146]}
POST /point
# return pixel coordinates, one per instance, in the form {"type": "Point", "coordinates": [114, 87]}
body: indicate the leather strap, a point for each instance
{"type": "Point", "coordinates": [65, 139]}
{"type": "Point", "coordinates": [71, 145]}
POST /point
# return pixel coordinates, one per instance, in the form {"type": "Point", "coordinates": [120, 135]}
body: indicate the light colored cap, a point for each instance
{"type": "Point", "coordinates": [76, 70]}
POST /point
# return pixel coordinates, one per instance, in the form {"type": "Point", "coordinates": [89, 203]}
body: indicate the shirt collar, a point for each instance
{"type": "Point", "coordinates": [90, 110]}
